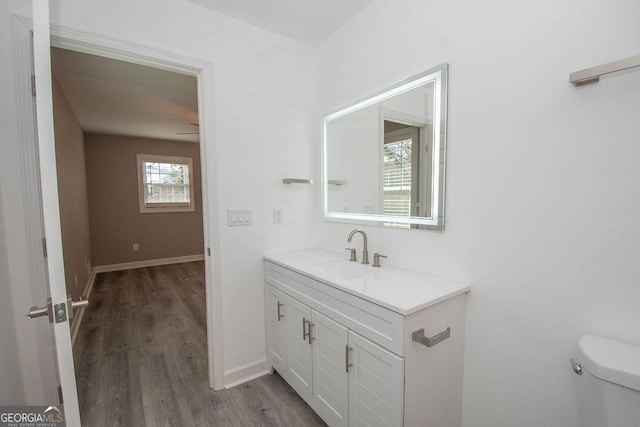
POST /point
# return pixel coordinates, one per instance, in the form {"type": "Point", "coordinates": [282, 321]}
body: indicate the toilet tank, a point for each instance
{"type": "Point", "coordinates": [610, 384]}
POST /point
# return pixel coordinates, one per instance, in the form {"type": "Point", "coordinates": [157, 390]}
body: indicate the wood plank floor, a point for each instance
{"type": "Point", "coordinates": [141, 359]}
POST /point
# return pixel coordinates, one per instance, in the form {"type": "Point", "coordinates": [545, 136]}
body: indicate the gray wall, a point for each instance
{"type": "Point", "coordinates": [116, 221]}
{"type": "Point", "coordinates": [72, 193]}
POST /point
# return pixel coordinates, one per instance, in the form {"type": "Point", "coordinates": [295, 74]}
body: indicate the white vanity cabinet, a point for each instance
{"type": "Point", "coordinates": [347, 379]}
{"type": "Point", "coordinates": [330, 377]}
{"type": "Point", "coordinates": [353, 360]}
{"type": "Point", "coordinates": [376, 384]}
{"type": "Point", "coordinates": [274, 310]}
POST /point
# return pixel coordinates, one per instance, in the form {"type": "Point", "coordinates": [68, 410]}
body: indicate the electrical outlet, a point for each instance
{"type": "Point", "coordinates": [136, 247]}
{"type": "Point", "coordinates": [277, 216]}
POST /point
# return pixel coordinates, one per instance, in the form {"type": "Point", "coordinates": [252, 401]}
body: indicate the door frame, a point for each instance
{"type": "Point", "coordinates": [124, 50]}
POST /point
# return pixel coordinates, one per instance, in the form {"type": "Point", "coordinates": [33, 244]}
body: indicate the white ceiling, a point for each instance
{"type": "Point", "coordinates": [120, 98]}
{"type": "Point", "coordinates": [308, 21]}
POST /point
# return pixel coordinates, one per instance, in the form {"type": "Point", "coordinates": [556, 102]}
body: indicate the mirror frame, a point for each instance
{"type": "Point", "coordinates": [439, 74]}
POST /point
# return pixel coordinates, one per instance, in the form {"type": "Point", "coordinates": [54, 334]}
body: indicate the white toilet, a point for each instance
{"type": "Point", "coordinates": [610, 389]}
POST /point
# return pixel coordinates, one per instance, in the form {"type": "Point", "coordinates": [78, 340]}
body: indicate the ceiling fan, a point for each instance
{"type": "Point", "coordinates": [189, 133]}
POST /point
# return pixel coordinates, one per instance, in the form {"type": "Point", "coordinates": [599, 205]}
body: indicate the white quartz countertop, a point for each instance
{"type": "Point", "coordinates": [402, 291]}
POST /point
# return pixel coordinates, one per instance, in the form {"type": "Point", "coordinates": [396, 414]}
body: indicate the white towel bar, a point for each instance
{"type": "Point", "coordinates": [592, 75]}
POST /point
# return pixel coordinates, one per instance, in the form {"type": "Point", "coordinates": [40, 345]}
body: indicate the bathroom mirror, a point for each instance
{"type": "Point", "coordinates": [384, 156]}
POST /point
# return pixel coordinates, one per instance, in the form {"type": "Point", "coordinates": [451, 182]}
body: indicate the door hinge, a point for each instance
{"type": "Point", "coordinates": [33, 85]}
{"type": "Point", "coordinates": [44, 247]}
{"type": "Point", "coordinates": [209, 251]}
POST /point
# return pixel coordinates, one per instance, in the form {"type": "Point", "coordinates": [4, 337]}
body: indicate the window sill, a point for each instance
{"type": "Point", "coordinates": [166, 209]}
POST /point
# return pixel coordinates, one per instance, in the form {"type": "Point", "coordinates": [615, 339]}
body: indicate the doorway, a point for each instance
{"type": "Point", "coordinates": [117, 49]}
{"type": "Point", "coordinates": [129, 184]}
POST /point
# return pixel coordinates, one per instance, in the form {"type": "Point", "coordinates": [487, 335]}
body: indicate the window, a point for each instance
{"type": "Point", "coordinates": [165, 184]}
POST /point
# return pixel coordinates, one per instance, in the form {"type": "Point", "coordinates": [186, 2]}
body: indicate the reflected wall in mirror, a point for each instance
{"type": "Point", "coordinates": [384, 156]}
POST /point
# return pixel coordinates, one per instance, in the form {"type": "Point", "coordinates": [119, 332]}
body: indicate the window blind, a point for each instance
{"type": "Point", "coordinates": [166, 183]}
{"type": "Point", "coordinates": [397, 178]}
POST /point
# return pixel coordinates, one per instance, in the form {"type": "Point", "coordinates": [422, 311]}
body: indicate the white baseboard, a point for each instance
{"type": "Point", "coordinates": [78, 316]}
{"type": "Point", "coordinates": [246, 373]}
{"type": "Point", "coordinates": [147, 263]}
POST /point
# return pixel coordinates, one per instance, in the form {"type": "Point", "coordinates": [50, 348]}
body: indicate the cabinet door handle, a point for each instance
{"type": "Point", "coordinates": [311, 325]}
{"type": "Point", "coordinates": [347, 365]}
{"type": "Point", "coordinates": [306, 331]}
{"type": "Point", "coordinates": [280, 315]}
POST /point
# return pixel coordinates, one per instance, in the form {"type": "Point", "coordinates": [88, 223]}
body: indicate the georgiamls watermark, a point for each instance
{"type": "Point", "coordinates": [31, 416]}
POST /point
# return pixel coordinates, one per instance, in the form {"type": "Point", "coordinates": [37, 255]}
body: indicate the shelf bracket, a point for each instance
{"type": "Point", "coordinates": [297, 181]}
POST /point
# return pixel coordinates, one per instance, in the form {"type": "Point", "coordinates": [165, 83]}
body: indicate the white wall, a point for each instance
{"type": "Point", "coordinates": [542, 182]}
{"type": "Point", "coordinates": [11, 381]}
{"type": "Point", "coordinates": [542, 178]}
{"type": "Point", "coordinates": [264, 91]}
{"type": "Point", "coordinates": [354, 138]}
{"type": "Point", "coordinates": [25, 263]}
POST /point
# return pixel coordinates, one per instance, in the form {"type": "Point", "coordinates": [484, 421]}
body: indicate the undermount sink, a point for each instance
{"type": "Point", "coordinates": [402, 291]}
{"type": "Point", "coordinates": [342, 270]}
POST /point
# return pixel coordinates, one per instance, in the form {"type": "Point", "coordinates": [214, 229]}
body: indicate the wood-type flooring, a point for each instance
{"type": "Point", "coordinates": [141, 359]}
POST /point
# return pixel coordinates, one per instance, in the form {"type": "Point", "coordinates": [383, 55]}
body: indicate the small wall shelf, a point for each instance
{"type": "Point", "coordinates": [593, 74]}
{"type": "Point", "coordinates": [297, 181]}
{"type": "Point", "coordinates": [336, 182]}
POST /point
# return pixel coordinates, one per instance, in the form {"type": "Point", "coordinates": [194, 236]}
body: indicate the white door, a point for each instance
{"type": "Point", "coordinates": [275, 324]}
{"type": "Point", "coordinates": [330, 371]}
{"type": "Point", "coordinates": [297, 371]}
{"type": "Point", "coordinates": [376, 384]}
{"type": "Point", "coordinates": [50, 209]}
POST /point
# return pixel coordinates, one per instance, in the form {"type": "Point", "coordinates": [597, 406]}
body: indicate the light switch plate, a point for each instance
{"type": "Point", "coordinates": [238, 217]}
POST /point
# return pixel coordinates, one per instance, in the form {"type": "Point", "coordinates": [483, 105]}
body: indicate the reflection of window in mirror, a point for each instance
{"type": "Point", "coordinates": [401, 171]}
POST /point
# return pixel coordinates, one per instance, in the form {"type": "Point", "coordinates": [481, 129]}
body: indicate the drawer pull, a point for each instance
{"type": "Point", "coordinates": [418, 336]}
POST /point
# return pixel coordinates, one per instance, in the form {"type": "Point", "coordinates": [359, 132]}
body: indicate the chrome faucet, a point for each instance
{"type": "Point", "coordinates": [365, 252]}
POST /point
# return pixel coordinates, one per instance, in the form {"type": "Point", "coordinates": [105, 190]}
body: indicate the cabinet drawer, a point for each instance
{"type": "Point", "coordinates": [372, 321]}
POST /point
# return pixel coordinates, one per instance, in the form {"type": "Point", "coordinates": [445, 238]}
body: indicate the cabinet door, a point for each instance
{"type": "Point", "coordinates": [330, 377]}
{"type": "Point", "coordinates": [275, 324]}
{"type": "Point", "coordinates": [299, 357]}
{"type": "Point", "coordinates": [376, 384]}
